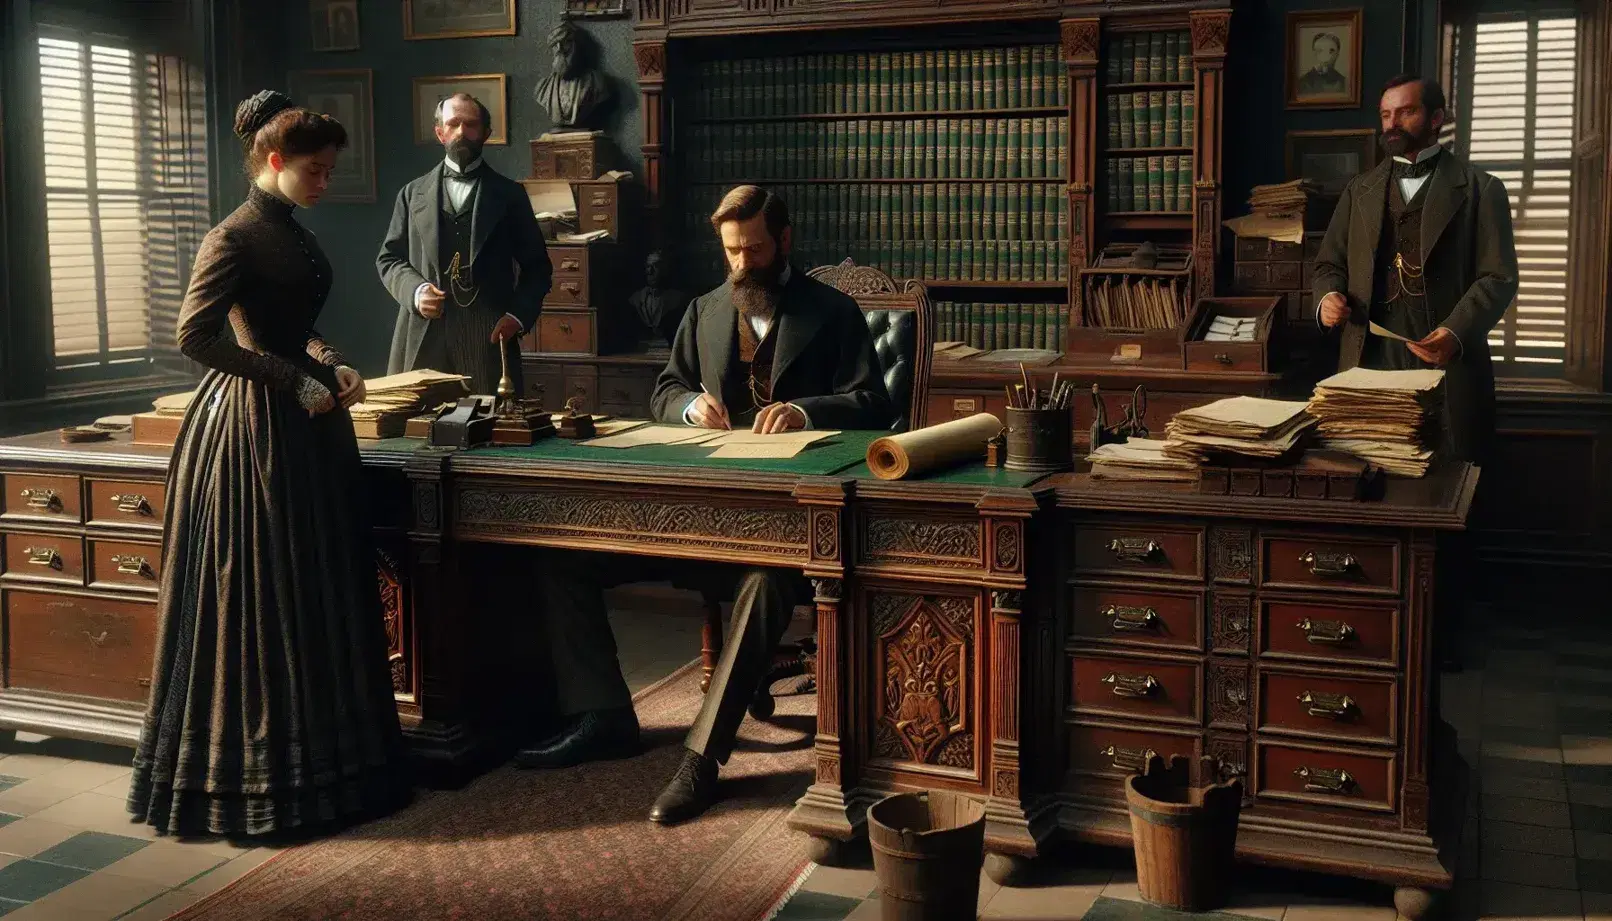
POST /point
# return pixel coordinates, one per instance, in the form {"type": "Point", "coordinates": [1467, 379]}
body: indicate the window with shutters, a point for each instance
{"type": "Point", "coordinates": [125, 199]}
{"type": "Point", "coordinates": [1515, 77]}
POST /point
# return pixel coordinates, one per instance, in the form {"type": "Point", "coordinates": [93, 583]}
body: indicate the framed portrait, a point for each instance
{"type": "Point", "coordinates": [334, 24]}
{"type": "Point", "coordinates": [349, 97]}
{"type": "Point", "coordinates": [1331, 158]}
{"type": "Point", "coordinates": [489, 88]}
{"type": "Point", "coordinates": [457, 18]}
{"type": "Point", "coordinates": [1323, 59]}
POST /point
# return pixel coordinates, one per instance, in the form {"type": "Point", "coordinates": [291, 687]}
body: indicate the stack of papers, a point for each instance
{"type": "Point", "coordinates": [1141, 459]}
{"type": "Point", "coordinates": [1390, 418]}
{"type": "Point", "coordinates": [1245, 426]}
{"type": "Point", "coordinates": [1232, 329]}
{"type": "Point", "coordinates": [406, 394]}
{"type": "Point", "coordinates": [173, 404]}
{"type": "Point", "coordinates": [1282, 197]}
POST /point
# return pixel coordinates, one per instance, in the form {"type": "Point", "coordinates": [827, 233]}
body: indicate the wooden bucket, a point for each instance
{"type": "Point", "coordinates": [1185, 837]}
{"type": "Point", "coordinates": [927, 851]}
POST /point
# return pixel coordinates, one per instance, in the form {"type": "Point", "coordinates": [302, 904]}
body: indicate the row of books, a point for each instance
{"type": "Point", "coordinates": [926, 148]}
{"type": "Point", "coordinates": [1158, 183]}
{"type": "Point", "coordinates": [1150, 57]}
{"type": "Point", "coordinates": [968, 260]}
{"type": "Point", "coordinates": [880, 82]}
{"type": "Point", "coordinates": [1156, 118]}
{"type": "Point", "coordinates": [929, 211]}
{"type": "Point", "coordinates": [1002, 326]}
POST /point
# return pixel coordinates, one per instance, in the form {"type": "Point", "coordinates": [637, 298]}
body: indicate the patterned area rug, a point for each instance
{"type": "Point", "coordinates": [567, 844]}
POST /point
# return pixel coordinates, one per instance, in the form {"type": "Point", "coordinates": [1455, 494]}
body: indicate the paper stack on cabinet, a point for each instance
{"type": "Point", "coordinates": [1140, 459]}
{"type": "Point", "coordinates": [1390, 418]}
{"type": "Point", "coordinates": [390, 401]}
{"type": "Point", "coordinates": [1242, 426]}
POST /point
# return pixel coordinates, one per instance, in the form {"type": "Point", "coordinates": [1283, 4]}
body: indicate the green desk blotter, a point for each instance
{"type": "Point", "coordinates": [821, 458]}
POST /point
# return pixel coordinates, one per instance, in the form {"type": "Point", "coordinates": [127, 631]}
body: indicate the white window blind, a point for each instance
{"type": "Point", "coordinates": [1519, 128]}
{"type": "Point", "coordinates": [125, 197]}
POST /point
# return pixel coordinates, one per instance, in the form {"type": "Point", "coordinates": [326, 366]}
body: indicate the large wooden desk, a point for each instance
{"type": "Point", "coordinates": [1023, 641]}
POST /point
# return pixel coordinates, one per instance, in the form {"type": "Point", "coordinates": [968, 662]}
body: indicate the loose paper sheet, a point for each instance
{"type": "Point", "coordinates": [802, 437]}
{"type": "Point", "coordinates": [1386, 333]}
{"type": "Point", "coordinates": [1389, 381]}
{"type": "Point", "coordinates": [760, 449]}
{"type": "Point", "coordinates": [650, 435]}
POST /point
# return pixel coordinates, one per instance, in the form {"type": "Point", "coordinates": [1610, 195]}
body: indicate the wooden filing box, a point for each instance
{"type": "Point", "coordinates": [1200, 355]}
{"type": "Point", "coordinates": [576, 158]}
{"type": "Point", "coordinates": [585, 285]}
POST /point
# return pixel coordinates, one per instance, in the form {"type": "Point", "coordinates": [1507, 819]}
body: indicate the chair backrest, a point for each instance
{"type": "Point", "coordinates": [903, 328]}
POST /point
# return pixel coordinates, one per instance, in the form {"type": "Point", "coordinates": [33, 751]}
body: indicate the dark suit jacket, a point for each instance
{"type": "Point", "coordinates": [824, 360]}
{"type": "Point", "coordinates": [1469, 263]}
{"type": "Point", "coordinates": [508, 258]}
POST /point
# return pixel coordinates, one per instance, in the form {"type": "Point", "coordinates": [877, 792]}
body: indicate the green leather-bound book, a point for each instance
{"type": "Point", "coordinates": [1172, 118]}
{"type": "Point", "coordinates": [1113, 123]}
{"type": "Point", "coordinates": [1172, 54]}
{"type": "Point", "coordinates": [1139, 184]}
{"type": "Point", "coordinates": [1127, 118]}
{"type": "Point", "coordinates": [1111, 62]}
{"type": "Point", "coordinates": [1189, 118]}
{"type": "Point", "coordinates": [1171, 174]}
{"type": "Point", "coordinates": [1111, 179]}
{"type": "Point", "coordinates": [1155, 57]}
{"type": "Point", "coordinates": [1155, 118]}
{"type": "Point", "coordinates": [1184, 179]}
{"type": "Point", "coordinates": [1184, 57]}
{"type": "Point", "coordinates": [1155, 183]}
{"type": "Point", "coordinates": [1038, 74]}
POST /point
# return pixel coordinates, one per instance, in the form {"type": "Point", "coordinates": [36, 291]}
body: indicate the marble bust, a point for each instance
{"type": "Point", "coordinates": [574, 91]}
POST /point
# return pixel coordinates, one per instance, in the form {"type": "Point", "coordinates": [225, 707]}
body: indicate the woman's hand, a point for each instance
{"type": "Point", "coordinates": [351, 385]}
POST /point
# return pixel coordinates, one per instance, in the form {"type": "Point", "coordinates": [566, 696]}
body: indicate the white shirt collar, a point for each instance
{"type": "Point", "coordinates": [457, 170]}
{"type": "Point", "coordinates": [1423, 155]}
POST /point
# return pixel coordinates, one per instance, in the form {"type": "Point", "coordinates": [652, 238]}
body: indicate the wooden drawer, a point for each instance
{"type": "Point", "coordinates": [944, 407]}
{"type": "Point", "coordinates": [43, 558]}
{"type": "Point", "coordinates": [1250, 277]}
{"type": "Point", "coordinates": [1132, 616]}
{"type": "Point", "coordinates": [125, 564]}
{"type": "Point", "coordinates": [1113, 752]}
{"type": "Point", "coordinates": [1329, 706]}
{"type": "Point", "coordinates": [625, 388]}
{"type": "Point", "coordinates": [1131, 548]}
{"type": "Point", "coordinates": [52, 498]}
{"type": "Point", "coordinates": [568, 292]}
{"type": "Point", "coordinates": [1345, 778]}
{"type": "Point", "coordinates": [1285, 275]}
{"type": "Point", "coordinates": [1155, 689]}
{"type": "Point", "coordinates": [566, 332]}
{"type": "Point", "coordinates": [1225, 356]}
{"type": "Point", "coordinates": [568, 261]}
{"type": "Point", "coordinates": [1346, 633]}
{"type": "Point", "coordinates": [581, 383]}
{"type": "Point", "coordinates": [1328, 561]}
{"type": "Point", "coordinates": [546, 380]}
{"type": "Point", "coordinates": [1262, 249]}
{"type": "Point", "coordinates": [80, 644]}
{"type": "Point", "coordinates": [598, 207]}
{"type": "Point", "coordinates": [126, 503]}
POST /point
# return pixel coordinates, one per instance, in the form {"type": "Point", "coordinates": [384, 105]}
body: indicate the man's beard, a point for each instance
{"type": "Point", "coordinates": [1398, 143]}
{"type": "Point", "coordinates": [463, 151]}
{"type": "Point", "coordinates": [756, 291]}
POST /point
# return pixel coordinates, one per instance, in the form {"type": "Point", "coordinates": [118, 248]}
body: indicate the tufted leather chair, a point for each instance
{"type": "Point", "coordinates": [903, 329]}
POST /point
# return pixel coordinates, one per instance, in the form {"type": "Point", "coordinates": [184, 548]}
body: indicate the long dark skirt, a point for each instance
{"type": "Point", "coordinates": [271, 696]}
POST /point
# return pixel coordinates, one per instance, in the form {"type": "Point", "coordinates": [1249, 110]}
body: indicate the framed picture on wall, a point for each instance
{"type": "Point", "coordinates": [1323, 59]}
{"type": "Point", "coordinates": [489, 88]}
{"type": "Point", "coordinates": [334, 24]}
{"type": "Point", "coordinates": [349, 97]}
{"type": "Point", "coordinates": [1331, 158]}
{"type": "Point", "coordinates": [457, 18]}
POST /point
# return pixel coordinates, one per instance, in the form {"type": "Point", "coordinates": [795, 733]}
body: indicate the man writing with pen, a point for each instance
{"type": "Point", "coordinates": [771, 350]}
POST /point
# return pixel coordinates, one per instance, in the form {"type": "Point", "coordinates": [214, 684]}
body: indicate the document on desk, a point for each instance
{"type": "Point", "coordinates": [801, 437]}
{"type": "Point", "coordinates": [760, 449]}
{"type": "Point", "coordinates": [651, 435]}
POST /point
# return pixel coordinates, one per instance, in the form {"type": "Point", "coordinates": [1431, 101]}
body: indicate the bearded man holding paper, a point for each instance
{"type": "Point", "coordinates": [1418, 264]}
{"type": "Point", "coordinates": [772, 351]}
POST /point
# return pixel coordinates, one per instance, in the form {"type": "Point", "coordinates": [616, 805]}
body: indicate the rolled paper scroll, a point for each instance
{"type": "Point", "coordinates": [896, 457]}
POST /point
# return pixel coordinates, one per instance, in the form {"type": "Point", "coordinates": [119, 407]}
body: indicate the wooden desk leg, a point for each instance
{"type": "Point", "coordinates": [1013, 830]}
{"type": "Point", "coordinates": [825, 812]}
{"type": "Point", "coordinates": [710, 642]}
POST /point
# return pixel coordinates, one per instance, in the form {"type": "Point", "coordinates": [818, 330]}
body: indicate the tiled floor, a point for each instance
{"type": "Point", "coordinates": [1534, 717]}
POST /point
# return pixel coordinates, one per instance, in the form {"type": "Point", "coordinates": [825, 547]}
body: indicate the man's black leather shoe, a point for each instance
{"type": "Point", "coordinates": [691, 792]}
{"type": "Point", "coordinates": [596, 735]}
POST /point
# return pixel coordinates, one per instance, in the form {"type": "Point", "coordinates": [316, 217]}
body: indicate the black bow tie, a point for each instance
{"type": "Point", "coordinates": [1415, 170]}
{"type": "Point", "coordinates": [463, 173]}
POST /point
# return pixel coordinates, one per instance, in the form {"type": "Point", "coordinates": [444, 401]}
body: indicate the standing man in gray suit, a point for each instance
{"type": "Point", "coordinates": [464, 259]}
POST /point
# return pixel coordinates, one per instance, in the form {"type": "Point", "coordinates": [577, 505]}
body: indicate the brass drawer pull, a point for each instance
{"type": "Point", "coordinates": [1133, 549]}
{"type": "Point", "coordinates": [569, 265]}
{"type": "Point", "coordinates": [1331, 706]}
{"type": "Point", "coordinates": [1329, 564]}
{"type": "Point", "coordinates": [1132, 685]}
{"type": "Point", "coordinates": [1224, 769]}
{"type": "Point", "coordinates": [565, 327]}
{"type": "Point", "coordinates": [1326, 780]}
{"type": "Point", "coordinates": [572, 287]}
{"type": "Point", "coordinates": [132, 565]}
{"type": "Point", "coordinates": [1132, 618]}
{"type": "Point", "coordinates": [601, 218]}
{"type": "Point", "coordinates": [42, 498]}
{"type": "Point", "coordinates": [1128, 759]}
{"type": "Point", "coordinates": [1327, 632]}
{"type": "Point", "coordinates": [43, 556]}
{"type": "Point", "coordinates": [133, 504]}
{"type": "Point", "coordinates": [1223, 358]}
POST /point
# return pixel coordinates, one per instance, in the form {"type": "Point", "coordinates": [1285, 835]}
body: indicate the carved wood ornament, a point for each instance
{"type": "Point", "coordinates": [925, 652]}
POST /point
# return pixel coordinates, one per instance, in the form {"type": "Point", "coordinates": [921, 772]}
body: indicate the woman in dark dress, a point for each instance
{"type": "Point", "coordinates": [271, 697]}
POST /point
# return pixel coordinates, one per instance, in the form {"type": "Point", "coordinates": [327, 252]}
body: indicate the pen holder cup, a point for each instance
{"type": "Point", "coordinates": [1039, 440]}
